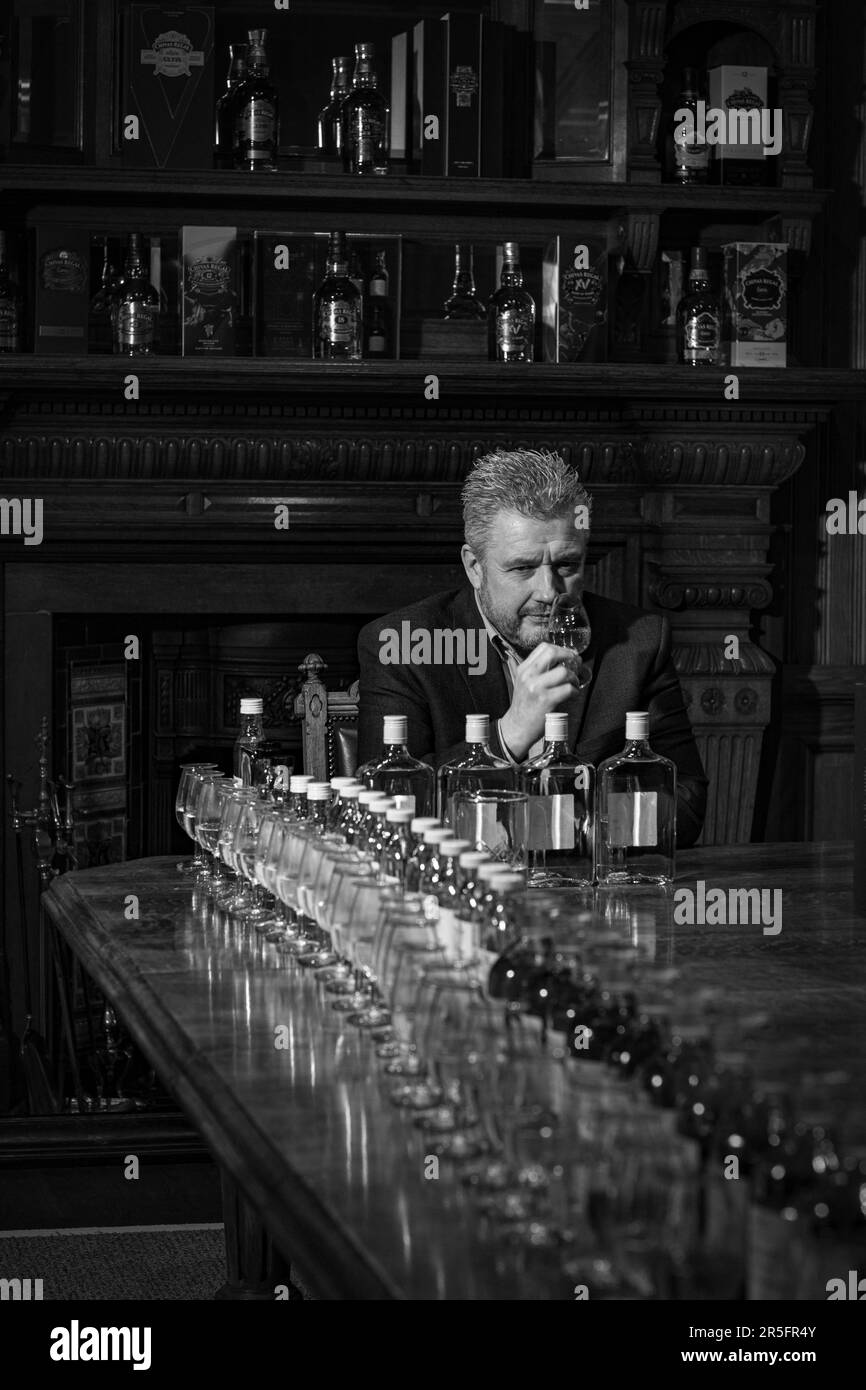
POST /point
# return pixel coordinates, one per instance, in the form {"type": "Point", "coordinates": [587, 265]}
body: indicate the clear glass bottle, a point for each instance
{"type": "Point", "coordinates": [10, 305]}
{"type": "Point", "coordinates": [511, 313]}
{"type": "Point", "coordinates": [691, 154]}
{"type": "Point", "coordinates": [256, 111]}
{"type": "Point", "coordinates": [475, 769]}
{"type": "Point", "coordinates": [135, 308]}
{"type": "Point", "coordinates": [224, 121]}
{"type": "Point", "coordinates": [417, 829]}
{"type": "Point", "coordinates": [364, 118]}
{"type": "Point", "coordinates": [637, 809]}
{"type": "Point", "coordinates": [463, 302]}
{"type": "Point", "coordinates": [337, 311]}
{"type": "Point", "coordinates": [296, 804]}
{"type": "Point", "coordinates": [396, 771]}
{"type": "Point", "coordinates": [440, 889]}
{"type": "Point", "coordinates": [250, 735]}
{"type": "Point", "coordinates": [699, 317]}
{"type": "Point", "coordinates": [99, 330]}
{"type": "Point", "coordinates": [561, 788]}
{"type": "Point", "coordinates": [328, 122]}
{"type": "Point", "coordinates": [397, 848]}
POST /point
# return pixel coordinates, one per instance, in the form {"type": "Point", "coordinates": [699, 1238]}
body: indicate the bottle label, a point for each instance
{"type": "Point", "coordinates": [8, 326]}
{"type": "Point", "coordinates": [430, 907]}
{"type": "Point", "coordinates": [512, 332]}
{"type": "Point", "coordinates": [337, 322]}
{"type": "Point", "coordinates": [551, 821]}
{"type": "Point", "coordinates": [632, 819]}
{"type": "Point", "coordinates": [690, 152]}
{"type": "Point", "coordinates": [257, 125]}
{"type": "Point", "coordinates": [702, 331]}
{"type": "Point", "coordinates": [136, 325]}
{"type": "Point", "coordinates": [376, 342]}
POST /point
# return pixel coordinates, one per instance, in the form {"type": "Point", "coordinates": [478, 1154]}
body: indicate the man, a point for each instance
{"type": "Point", "coordinates": [526, 529]}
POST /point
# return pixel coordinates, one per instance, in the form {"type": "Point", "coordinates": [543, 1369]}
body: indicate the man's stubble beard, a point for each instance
{"type": "Point", "coordinates": [506, 624]}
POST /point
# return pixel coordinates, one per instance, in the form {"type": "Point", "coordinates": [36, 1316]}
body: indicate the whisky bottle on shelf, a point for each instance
{"type": "Point", "coordinates": [337, 324]}
{"type": "Point", "coordinates": [691, 153]}
{"type": "Point", "coordinates": [637, 808]}
{"type": "Point", "coordinates": [378, 316]}
{"type": "Point", "coordinates": [135, 310]}
{"type": "Point", "coordinates": [99, 324]}
{"type": "Point", "coordinates": [364, 119]}
{"type": "Point", "coordinates": [328, 123]}
{"type": "Point", "coordinates": [699, 317]}
{"type": "Point", "coordinates": [561, 788]}
{"type": "Point", "coordinates": [511, 313]}
{"type": "Point", "coordinates": [10, 305]}
{"type": "Point", "coordinates": [463, 303]}
{"type": "Point", "coordinates": [225, 107]}
{"type": "Point", "coordinates": [256, 113]}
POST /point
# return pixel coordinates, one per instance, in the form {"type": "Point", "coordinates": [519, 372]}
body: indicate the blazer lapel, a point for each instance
{"type": "Point", "coordinates": [488, 692]}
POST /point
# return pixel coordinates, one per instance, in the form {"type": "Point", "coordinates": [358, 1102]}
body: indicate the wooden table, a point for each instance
{"type": "Point", "coordinates": [308, 1133]}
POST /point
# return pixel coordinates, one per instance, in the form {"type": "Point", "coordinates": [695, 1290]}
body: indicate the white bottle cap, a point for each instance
{"type": "Point", "coordinates": [385, 803]}
{"type": "Point", "coordinates": [636, 725]}
{"type": "Point", "coordinates": [472, 858]}
{"type": "Point", "coordinates": [509, 883]}
{"type": "Point", "coordinates": [435, 834]}
{"type": "Point", "coordinates": [453, 848]}
{"type": "Point", "coordinates": [477, 728]}
{"type": "Point", "coordinates": [396, 728]}
{"type": "Point", "coordinates": [299, 784]}
{"type": "Point", "coordinates": [319, 791]}
{"type": "Point", "coordinates": [493, 870]}
{"type": "Point", "coordinates": [394, 816]}
{"type": "Point", "coordinates": [339, 782]}
{"type": "Point", "coordinates": [252, 704]}
{"type": "Point", "coordinates": [555, 727]}
{"type": "Point", "coordinates": [351, 793]}
{"type": "Point", "coordinates": [367, 796]}
{"type": "Point", "coordinates": [420, 823]}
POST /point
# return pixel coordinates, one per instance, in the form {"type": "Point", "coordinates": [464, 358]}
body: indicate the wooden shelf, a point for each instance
{"type": "Point", "coordinates": [239, 379]}
{"type": "Point", "coordinates": [525, 196]}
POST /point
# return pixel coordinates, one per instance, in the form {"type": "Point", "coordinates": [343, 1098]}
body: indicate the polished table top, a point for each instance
{"type": "Point", "coordinates": [336, 1172]}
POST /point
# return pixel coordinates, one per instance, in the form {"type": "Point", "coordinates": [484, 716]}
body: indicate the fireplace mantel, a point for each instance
{"type": "Point", "coordinates": [370, 461]}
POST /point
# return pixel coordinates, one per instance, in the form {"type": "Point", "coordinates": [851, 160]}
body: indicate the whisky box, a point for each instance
{"type": "Point", "coordinates": [860, 796]}
{"type": "Point", "coordinates": [428, 96]}
{"type": "Point", "coordinates": [574, 298]}
{"type": "Point", "coordinates": [736, 89]}
{"type": "Point", "coordinates": [211, 299]}
{"type": "Point", "coordinates": [463, 95]}
{"type": "Point", "coordinates": [62, 301]}
{"type": "Point", "coordinates": [756, 303]}
{"type": "Point", "coordinates": [401, 96]}
{"type": "Point", "coordinates": [285, 285]}
{"type": "Point", "coordinates": [168, 86]}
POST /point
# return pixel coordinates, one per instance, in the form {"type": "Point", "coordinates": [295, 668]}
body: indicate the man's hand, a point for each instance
{"type": "Point", "coordinates": [544, 681]}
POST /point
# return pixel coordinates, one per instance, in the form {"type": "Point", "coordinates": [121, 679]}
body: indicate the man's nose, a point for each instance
{"type": "Point", "coordinates": [547, 583]}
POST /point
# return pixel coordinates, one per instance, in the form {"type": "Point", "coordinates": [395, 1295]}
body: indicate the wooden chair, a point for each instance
{"type": "Point", "coordinates": [329, 723]}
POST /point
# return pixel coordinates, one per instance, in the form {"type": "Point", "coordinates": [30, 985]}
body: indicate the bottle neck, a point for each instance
{"type": "Point", "coordinates": [698, 280]}
{"type": "Point", "coordinates": [557, 747]}
{"type": "Point", "coordinates": [134, 261]}
{"type": "Point", "coordinates": [511, 274]}
{"type": "Point", "coordinates": [251, 726]}
{"type": "Point", "coordinates": [257, 62]}
{"type": "Point", "coordinates": [365, 73]}
{"type": "Point", "coordinates": [480, 745]}
{"type": "Point", "coordinates": [464, 274]}
{"type": "Point", "coordinates": [340, 84]}
{"type": "Point", "coordinates": [338, 267]}
{"type": "Point", "coordinates": [637, 746]}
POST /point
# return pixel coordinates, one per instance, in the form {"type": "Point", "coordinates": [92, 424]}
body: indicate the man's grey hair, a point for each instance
{"type": "Point", "coordinates": [532, 482]}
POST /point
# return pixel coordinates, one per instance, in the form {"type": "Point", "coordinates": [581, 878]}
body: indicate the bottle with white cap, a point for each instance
{"type": "Point", "coordinates": [250, 735]}
{"type": "Point", "coordinates": [637, 811]}
{"type": "Point", "coordinates": [561, 789]}
{"type": "Point", "coordinates": [397, 773]}
{"type": "Point", "coordinates": [475, 768]}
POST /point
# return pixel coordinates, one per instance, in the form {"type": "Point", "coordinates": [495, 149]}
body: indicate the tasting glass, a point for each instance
{"type": "Point", "coordinates": [209, 797]}
{"type": "Point", "coordinates": [182, 812]}
{"type": "Point", "coordinates": [233, 895]}
{"type": "Point", "coordinates": [568, 626]}
{"type": "Point", "coordinates": [495, 822]}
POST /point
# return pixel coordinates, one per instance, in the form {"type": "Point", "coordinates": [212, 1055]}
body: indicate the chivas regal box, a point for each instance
{"type": "Point", "coordinates": [211, 300]}
{"type": "Point", "coordinates": [463, 94]}
{"type": "Point", "coordinates": [756, 299]}
{"type": "Point", "coordinates": [743, 90]}
{"type": "Point", "coordinates": [574, 298]}
{"type": "Point", "coordinates": [428, 96]}
{"type": "Point", "coordinates": [62, 289]}
{"type": "Point", "coordinates": [285, 284]}
{"type": "Point", "coordinates": [168, 84]}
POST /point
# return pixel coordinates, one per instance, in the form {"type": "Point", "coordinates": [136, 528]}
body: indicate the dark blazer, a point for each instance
{"type": "Point", "coordinates": [630, 659]}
